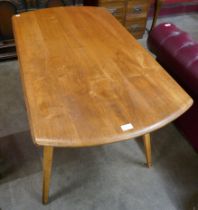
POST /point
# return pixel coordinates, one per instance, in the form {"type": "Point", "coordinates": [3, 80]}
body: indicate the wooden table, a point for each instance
{"type": "Point", "coordinates": [88, 82]}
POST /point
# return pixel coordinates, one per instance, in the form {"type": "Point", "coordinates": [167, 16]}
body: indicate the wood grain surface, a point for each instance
{"type": "Point", "coordinates": [84, 76]}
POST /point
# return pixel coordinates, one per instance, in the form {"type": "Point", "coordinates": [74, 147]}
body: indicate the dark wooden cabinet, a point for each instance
{"type": "Point", "coordinates": [8, 8]}
{"type": "Point", "coordinates": [131, 13]}
{"type": "Point", "coordinates": [7, 46]}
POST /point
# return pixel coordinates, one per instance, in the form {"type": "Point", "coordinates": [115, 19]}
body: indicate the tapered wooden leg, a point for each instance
{"type": "Point", "coordinates": [147, 145]}
{"type": "Point", "coordinates": [47, 166]}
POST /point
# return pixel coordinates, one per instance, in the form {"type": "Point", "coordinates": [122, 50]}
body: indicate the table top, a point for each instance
{"type": "Point", "coordinates": [87, 81]}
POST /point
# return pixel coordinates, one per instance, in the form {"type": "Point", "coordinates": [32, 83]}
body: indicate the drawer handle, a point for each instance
{"type": "Point", "coordinates": [135, 28]}
{"type": "Point", "coordinates": [137, 10]}
{"type": "Point", "coordinates": [113, 11]}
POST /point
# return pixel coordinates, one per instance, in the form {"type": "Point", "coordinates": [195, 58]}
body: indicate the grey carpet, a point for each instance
{"type": "Point", "coordinates": [110, 177]}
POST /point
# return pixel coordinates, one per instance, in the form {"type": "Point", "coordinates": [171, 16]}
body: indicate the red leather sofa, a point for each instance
{"type": "Point", "coordinates": [178, 54]}
{"type": "Point", "coordinates": [173, 7]}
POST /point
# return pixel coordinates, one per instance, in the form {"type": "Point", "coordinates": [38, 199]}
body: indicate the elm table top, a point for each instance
{"type": "Point", "coordinates": [84, 76]}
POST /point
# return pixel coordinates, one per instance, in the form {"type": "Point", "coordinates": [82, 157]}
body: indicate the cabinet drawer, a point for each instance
{"type": "Point", "coordinates": [138, 35]}
{"type": "Point", "coordinates": [136, 10]}
{"type": "Point", "coordinates": [115, 8]}
{"type": "Point", "coordinates": [139, 2]}
{"type": "Point", "coordinates": [136, 26]}
{"type": "Point", "coordinates": [110, 1]}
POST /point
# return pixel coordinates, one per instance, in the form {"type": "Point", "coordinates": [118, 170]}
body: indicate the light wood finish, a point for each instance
{"type": "Point", "coordinates": [47, 166]}
{"type": "Point", "coordinates": [85, 76]}
{"type": "Point", "coordinates": [147, 145]}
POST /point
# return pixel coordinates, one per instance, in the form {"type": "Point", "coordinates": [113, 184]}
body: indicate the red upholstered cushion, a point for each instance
{"type": "Point", "coordinates": [194, 67]}
{"type": "Point", "coordinates": [178, 54]}
{"type": "Point", "coordinates": [175, 7]}
{"type": "Point", "coordinates": [177, 1]}
{"type": "Point", "coordinates": [175, 43]}
{"type": "Point", "coordinates": [176, 48]}
{"type": "Point", "coordinates": [188, 124]}
{"type": "Point", "coordinates": [187, 55]}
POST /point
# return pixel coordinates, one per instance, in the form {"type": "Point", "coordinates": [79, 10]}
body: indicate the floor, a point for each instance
{"type": "Point", "coordinates": [110, 177]}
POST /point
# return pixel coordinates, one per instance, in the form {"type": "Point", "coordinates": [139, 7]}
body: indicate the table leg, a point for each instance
{"type": "Point", "coordinates": [147, 145]}
{"type": "Point", "coordinates": [47, 166]}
